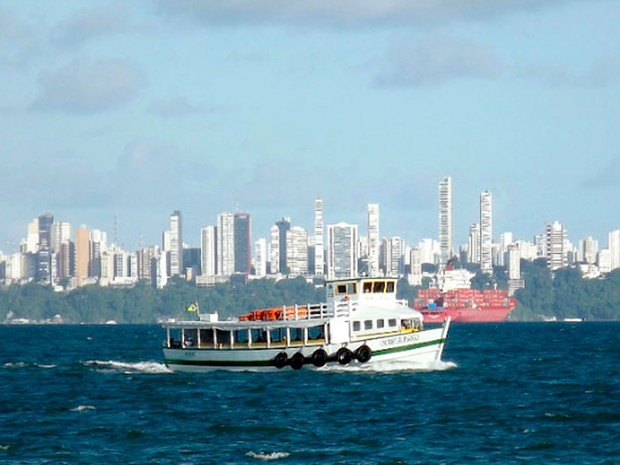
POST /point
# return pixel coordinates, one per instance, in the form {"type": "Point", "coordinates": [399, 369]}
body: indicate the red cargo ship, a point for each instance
{"type": "Point", "coordinates": [464, 305]}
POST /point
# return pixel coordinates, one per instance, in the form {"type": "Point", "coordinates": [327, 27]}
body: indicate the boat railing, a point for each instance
{"type": "Point", "coordinates": [319, 311]}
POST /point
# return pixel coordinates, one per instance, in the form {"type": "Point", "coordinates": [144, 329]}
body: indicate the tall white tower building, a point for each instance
{"type": "Point", "coordinates": [274, 250]}
{"type": "Point", "coordinates": [260, 257]}
{"type": "Point", "coordinates": [473, 250]}
{"type": "Point", "coordinates": [297, 251]}
{"type": "Point", "coordinates": [614, 249]}
{"type": "Point", "coordinates": [341, 251]}
{"type": "Point", "coordinates": [208, 251]}
{"type": "Point", "coordinates": [445, 220]}
{"type": "Point", "coordinates": [486, 232]}
{"type": "Point", "coordinates": [226, 244]}
{"type": "Point", "coordinates": [555, 238]}
{"type": "Point", "coordinates": [319, 248]}
{"type": "Point", "coordinates": [589, 249]}
{"type": "Point", "coordinates": [176, 244]}
{"type": "Point", "coordinates": [373, 239]}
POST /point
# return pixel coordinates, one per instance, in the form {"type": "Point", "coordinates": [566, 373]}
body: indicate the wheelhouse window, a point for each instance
{"type": "Point", "coordinates": [392, 322]}
{"type": "Point", "coordinates": [379, 287]}
{"type": "Point", "coordinates": [367, 324]}
{"type": "Point", "coordinates": [357, 325]}
{"type": "Point", "coordinates": [346, 288]}
{"type": "Point", "coordinates": [380, 324]}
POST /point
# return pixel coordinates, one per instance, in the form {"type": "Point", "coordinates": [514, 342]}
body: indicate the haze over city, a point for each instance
{"type": "Point", "coordinates": [201, 106]}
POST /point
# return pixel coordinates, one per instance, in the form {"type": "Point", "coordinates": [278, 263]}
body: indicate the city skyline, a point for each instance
{"type": "Point", "coordinates": [115, 117]}
{"type": "Point", "coordinates": [173, 222]}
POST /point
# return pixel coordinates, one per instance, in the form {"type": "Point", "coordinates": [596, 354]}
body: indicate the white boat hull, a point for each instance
{"type": "Point", "coordinates": [424, 347]}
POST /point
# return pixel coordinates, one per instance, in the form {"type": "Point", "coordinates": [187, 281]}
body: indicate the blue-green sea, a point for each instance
{"type": "Point", "coordinates": [513, 393]}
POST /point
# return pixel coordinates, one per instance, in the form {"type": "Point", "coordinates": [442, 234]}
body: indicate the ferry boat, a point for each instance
{"type": "Point", "coordinates": [361, 322]}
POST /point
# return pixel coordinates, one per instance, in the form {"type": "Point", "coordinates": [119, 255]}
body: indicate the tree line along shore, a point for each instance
{"type": "Point", "coordinates": [563, 294]}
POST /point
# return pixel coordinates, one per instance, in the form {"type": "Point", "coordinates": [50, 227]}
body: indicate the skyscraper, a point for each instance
{"type": "Point", "coordinates": [82, 255]}
{"type": "Point", "coordinates": [283, 226]}
{"type": "Point", "coordinates": [486, 232]}
{"type": "Point", "coordinates": [373, 239]}
{"type": "Point", "coordinates": [589, 250]}
{"type": "Point", "coordinates": [274, 250]}
{"type": "Point", "coordinates": [319, 251]}
{"type": "Point", "coordinates": [473, 252]}
{"type": "Point", "coordinates": [342, 251]}
{"type": "Point", "coordinates": [225, 244]}
{"type": "Point", "coordinates": [393, 256]}
{"type": "Point", "coordinates": [297, 251]}
{"type": "Point", "coordinates": [614, 249]}
{"type": "Point", "coordinates": [260, 257]}
{"type": "Point", "coordinates": [176, 244]}
{"type": "Point", "coordinates": [243, 247]}
{"type": "Point", "coordinates": [44, 263]}
{"type": "Point", "coordinates": [556, 256]}
{"type": "Point", "coordinates": [208, 251]}
{"type": "Point", "coordinates": [445, 220]}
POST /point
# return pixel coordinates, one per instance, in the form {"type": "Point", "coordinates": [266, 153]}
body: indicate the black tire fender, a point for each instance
{"type": "Point", "coordinates": [281, 360]}
{"type": "Point", "coordinates": [319, 358]}
{"type": "Point", "coordinates": [363, 353]}
{"type": "Point", "coordinates": [344, 356]}
{"type": "Point", "coordinates": [297, 360]}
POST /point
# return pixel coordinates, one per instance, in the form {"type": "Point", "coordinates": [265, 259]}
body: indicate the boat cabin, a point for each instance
{"type": "Point", "coordinates": [355, 309]}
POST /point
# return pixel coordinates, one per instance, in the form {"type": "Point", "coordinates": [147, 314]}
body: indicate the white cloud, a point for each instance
{"type": "Point", "coordinates": [88, 87]}
{"type": "Point", "coordinates": [86, 25]}
{"type": "Point", "coordinates": [342, 12]}
{"type": "Point", "coordinates": [435, 61]}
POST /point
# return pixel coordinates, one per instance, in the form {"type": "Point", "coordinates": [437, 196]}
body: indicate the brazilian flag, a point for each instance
{"type": "Point", "coordinates": [192, 308]}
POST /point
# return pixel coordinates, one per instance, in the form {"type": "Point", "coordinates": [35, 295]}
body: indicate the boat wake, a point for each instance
{"type": "Point", "coordinates": [129, 368]}
{"type": "Point", "coordinates": [393, 366]}
{"type": "Point", "coordinates": [265, 457]}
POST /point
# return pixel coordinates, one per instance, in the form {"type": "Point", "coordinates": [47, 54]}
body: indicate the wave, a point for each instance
{"type": "Point", "coordinates": [26, 364]}
{"type": "Point", "coordinates": [129, 368]}
{"type": "Point", "coordinates": [265, 457]}
{"type": "Point", "coordinates": [393, 366]}
{"type": "Point", "coordinates": [82, 408]}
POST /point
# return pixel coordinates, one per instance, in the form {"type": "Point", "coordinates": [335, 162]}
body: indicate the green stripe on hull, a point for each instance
{"type": "Point", "coordinates": [268, 363]}
{"type": "Point", "coordinates": [394, 350]}
{"type": "Point", "coordinates": [221, 363]}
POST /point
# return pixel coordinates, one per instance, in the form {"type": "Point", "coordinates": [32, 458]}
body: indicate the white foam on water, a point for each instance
{"type": "Point", "coordinates": [15, 365]}
{"type": "Point", "coordinates": [266, 457]}
{"type": "Point", "coordinates": [82, 408]}
{"type": "Point", "coordinates": [47, 366]}
{"type": "Point", "coordinates": [392, 366]}
{"type": "Point", "coordinates": [130, 368]}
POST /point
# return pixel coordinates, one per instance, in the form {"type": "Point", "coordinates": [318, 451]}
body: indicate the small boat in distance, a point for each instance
{"type": "Point", "coordinates": [361, 322]}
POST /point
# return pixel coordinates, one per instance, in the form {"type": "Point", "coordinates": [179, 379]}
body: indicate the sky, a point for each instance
{"type": "Point", "coordinates": [115, 114]}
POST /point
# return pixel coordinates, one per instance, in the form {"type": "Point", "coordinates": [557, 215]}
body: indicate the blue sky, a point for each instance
{"type": "Point", "coordinates": [135, 109]}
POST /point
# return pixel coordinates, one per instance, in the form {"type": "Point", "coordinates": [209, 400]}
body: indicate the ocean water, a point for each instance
{"type": "Point", "coordinates": [513, 393]}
